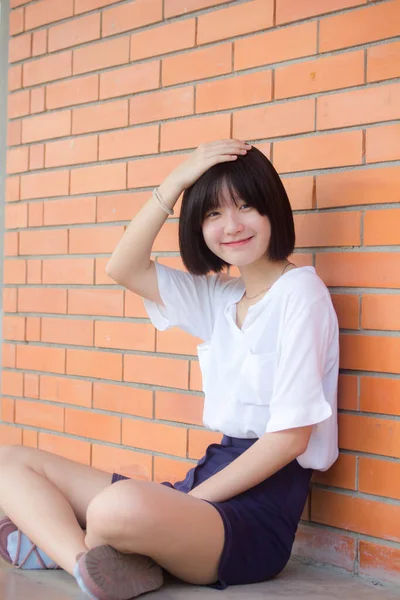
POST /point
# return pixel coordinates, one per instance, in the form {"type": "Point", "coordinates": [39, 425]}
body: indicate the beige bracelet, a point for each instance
{"type": "Point", "coordinates": [157, 196]}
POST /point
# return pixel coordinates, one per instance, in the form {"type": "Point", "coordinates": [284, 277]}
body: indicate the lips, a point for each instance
{"type": "Point", "coordinates": [238, 242]}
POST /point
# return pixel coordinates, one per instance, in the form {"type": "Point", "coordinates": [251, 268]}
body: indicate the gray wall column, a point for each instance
{"type": "Point", "coordinates": [4, 18]}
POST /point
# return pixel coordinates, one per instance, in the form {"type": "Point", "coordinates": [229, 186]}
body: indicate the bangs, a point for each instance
{"type": "Point", "coordinates": [228, 183]}
{"type": "Point", "coordinates": [216, 196]}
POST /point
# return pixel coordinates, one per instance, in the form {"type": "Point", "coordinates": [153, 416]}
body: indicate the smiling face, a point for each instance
{"type": "Point", "coordinates": [214, 215]}
{"type": "Point", "coordinates": [235, 231]}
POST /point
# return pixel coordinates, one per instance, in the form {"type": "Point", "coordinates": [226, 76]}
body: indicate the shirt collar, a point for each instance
{"type": "Point", "coordinates": [239, 287]}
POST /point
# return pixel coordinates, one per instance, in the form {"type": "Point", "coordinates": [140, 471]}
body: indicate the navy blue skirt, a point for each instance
{"type": "Point", "coordinates": [260, 524]}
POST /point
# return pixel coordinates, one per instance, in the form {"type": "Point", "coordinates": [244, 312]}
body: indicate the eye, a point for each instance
{"type": "Point", "coordinates": [245, 205]}
{"type": "Point", "coordinates": [210, 214]}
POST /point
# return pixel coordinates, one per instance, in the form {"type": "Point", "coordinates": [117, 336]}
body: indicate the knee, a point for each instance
{"type": "Point", "coordinates": [120, 508]}
{"type": "Point", "coordinates": [100, 513]}
{"type": "Point", "coordinates": [10, 455]}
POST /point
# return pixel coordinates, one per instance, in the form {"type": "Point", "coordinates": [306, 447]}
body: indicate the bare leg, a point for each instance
{"type": "Point", "coordinates": [47, 497]}
{"type": "Point", "coordinates": [181, 533]}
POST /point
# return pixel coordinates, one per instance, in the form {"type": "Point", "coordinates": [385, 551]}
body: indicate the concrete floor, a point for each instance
{"type": "Point", "coordinates": [297, 582]}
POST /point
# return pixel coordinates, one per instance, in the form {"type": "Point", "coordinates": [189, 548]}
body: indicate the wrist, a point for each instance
{"type": "Point", "coordinates": [170, 192]}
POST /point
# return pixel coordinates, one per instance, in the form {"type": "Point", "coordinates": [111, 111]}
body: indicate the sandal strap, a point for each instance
{"type": "Point", "coordinates": [33, 549]}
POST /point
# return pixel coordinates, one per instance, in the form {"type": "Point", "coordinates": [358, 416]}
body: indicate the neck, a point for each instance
{"type": "Point", "coordinates": [261, 274]}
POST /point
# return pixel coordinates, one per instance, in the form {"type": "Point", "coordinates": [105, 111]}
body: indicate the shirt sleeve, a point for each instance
{"type": "Point", "coordinates": [191, 301]}
{"type": "Point", "coordinates": [298, 397]}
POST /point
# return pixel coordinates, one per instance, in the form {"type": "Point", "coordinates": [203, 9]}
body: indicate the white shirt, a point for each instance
{"type": "Point", "coordinates": [279, 371]}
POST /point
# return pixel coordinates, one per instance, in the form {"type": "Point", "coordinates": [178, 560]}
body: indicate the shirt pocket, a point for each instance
{"type": "Point", "coordinates": [257, 378]}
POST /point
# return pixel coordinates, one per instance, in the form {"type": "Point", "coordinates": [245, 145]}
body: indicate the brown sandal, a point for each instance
{"type": "Point", "coordinates": [106, 574]}
{"type": "Point", "coordinates": [7, 527]}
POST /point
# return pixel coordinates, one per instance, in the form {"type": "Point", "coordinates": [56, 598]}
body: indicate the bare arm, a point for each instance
{"type": "Point", "coordinates": [130, 264]}
{"type": "Point", "coordinates": [264, 458]}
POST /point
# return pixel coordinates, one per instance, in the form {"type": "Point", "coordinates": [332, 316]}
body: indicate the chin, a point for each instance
{"type": "Point", "coordinates": [240, 258]}
{"type": "Point", "coordinates": [240, 261]}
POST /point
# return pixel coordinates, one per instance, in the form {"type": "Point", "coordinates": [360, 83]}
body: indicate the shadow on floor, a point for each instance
{"type": "Point", "coordinates": [297, 582]}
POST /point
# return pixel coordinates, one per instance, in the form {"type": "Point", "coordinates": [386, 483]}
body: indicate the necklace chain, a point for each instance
{"type": "Point", "coordinates": [267, 288]}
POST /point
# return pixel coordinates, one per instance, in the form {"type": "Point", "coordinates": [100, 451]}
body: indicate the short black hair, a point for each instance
{"type": "Point", "coordinates": [251, 178]}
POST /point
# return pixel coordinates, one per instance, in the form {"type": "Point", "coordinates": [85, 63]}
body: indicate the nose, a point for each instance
{"type": "Point", "coordinates": [233, 223]}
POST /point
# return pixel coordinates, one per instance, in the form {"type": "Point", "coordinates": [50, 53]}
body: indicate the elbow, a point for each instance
{"type": "Point", "coordinates": [301, 450]}
{"type": "Point", "coordinates": [304, 440]}
{"type": "Point", "coordinates": [108, 270]}
{"type": "Point", "coordinates": [117, 274]}
{"type": "Point", "coordinates": [111, 273]}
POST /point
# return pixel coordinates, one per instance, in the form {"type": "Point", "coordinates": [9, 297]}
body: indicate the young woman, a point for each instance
{"type": "Point", "coordinates": [269, 362]}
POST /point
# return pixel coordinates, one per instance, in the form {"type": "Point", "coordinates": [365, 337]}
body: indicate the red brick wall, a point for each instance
{"type": "Point", "coordinates": [105, 99]}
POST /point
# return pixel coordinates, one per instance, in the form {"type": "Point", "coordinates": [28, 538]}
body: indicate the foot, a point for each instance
{"type": "Point", "coordinates": [106, 574]}
{"type": "Point", "coordinates": [18, 550]}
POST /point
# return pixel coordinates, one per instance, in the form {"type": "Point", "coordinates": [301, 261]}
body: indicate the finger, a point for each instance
{"type": "Point", "coordinates": [230, 141]}
{"type": "Point", "coordinates": [228, 148]}
{"type": "Point", "coordinates": [228, 151]}
{"type": "Point", "coordinates": [228, 144]}
{"type": "Point", "coordinates": [226, 157]}
{"type": "Point", "coordinates": [221, 158]}
{"type": "Point", "coordinates": [236, 142]}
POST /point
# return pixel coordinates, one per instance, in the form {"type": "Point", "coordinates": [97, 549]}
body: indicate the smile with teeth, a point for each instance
{"type": "Point", "coordinates": [238, 243]}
